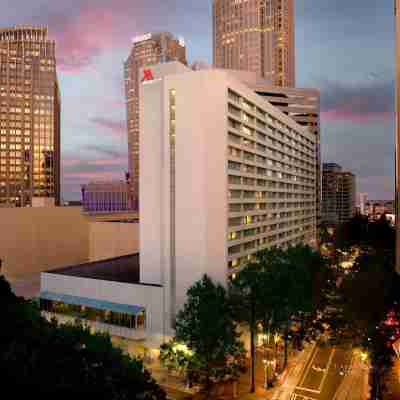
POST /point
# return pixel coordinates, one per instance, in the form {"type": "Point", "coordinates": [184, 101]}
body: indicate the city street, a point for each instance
{"type": "Point", "coordinates": [323, 374]}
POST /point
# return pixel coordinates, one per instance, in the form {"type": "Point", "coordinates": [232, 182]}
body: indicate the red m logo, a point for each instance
{"type": "Point", "coordinates": [147, 75]}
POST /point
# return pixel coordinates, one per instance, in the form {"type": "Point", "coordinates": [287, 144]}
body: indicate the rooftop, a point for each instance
{"type": "Point", "coordinates": [120, 269]}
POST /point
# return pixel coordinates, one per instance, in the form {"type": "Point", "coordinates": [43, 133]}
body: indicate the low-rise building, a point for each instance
{"type": "Point", "coordinates": [106, 295]}
{"type": "Point", "coordinates": [376, 208]}
{"type": "Point", "coordinates": [107, 197]}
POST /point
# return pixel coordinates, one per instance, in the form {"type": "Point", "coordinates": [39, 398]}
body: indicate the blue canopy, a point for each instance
{"type": "Point", "coordinates": [92, 303]}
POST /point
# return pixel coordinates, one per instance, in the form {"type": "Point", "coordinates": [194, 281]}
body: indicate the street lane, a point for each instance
{"type": "Point", "coordinates": [323, 373]}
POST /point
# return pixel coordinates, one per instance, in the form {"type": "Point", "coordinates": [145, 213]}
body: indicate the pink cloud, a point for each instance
{"type": "Point", "coordinates": [118, 161]}
{"type": "Point", "coordinates": [359, 103]}
{"type": "Point", "coordinates": [357, 118]}
{"type": "Point", "coordinates": [97, 27]}
{"type": "Point", "coordinates": [118, 128]}
{"type": "Point", "coordinates": [87, 176]}
{"type": "Point", "coordinates": [115, 161]}
{"type": "Point", "coordinates": [70, 162]}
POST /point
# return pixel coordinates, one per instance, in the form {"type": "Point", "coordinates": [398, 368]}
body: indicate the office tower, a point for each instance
{"type": "Point", "coordinates": [257, 36]}
{"type": "Point", "coordinates": [397, 134]}
{"type": "Point", "coordinates": [29, 117]}
{"type": "Point", "coordinates": [223, 175]}
{"type": "Point", "coordinates": [338, 194]}
{"type": "Point", "coordinates": [149, 49]}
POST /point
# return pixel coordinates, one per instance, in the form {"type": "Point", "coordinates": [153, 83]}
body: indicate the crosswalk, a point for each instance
{"type": "Point", "coordinates": [296, 396]}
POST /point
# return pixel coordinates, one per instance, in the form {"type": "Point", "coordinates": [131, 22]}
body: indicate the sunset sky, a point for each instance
{"type": "Point", "coordinates": [343, 47]}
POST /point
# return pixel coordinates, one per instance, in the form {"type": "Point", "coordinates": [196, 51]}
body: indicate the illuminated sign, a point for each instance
{"type": "Point", "coordinates": [141, 38]}
{"type": "Point", "coordinates": [147, 75]}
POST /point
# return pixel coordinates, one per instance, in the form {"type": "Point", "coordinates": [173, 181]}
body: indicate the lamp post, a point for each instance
{"type": "Point", "coordinates": [267, 366]}
{"type": "Point", "coordinates": [265, 362]}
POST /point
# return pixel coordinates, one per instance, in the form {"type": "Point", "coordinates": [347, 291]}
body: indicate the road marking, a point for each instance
{"type": "Point", "coordinates": [305, 372]}
{"type": "Point", "coordinates": [324, 376]}
{"type": "Point", "coordinates": [327, 369]}
{"type": "Point", "coordinates": [296, 396]}
{"type": "Point", "coordinates": [308, 390]}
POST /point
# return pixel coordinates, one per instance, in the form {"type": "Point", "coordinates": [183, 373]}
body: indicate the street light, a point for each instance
{"type": "Point", "coordinates": [265, 362]}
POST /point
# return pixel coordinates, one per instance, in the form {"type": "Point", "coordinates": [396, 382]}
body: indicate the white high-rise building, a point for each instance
{"type": "Point", "coordinates": [223, 174]}
{"type": "Point", "coordinates": [363, 197]}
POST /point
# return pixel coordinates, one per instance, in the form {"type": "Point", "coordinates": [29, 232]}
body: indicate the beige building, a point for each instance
{"type": "Point", "coordinates": [224, 175]}
{"type": "Point", "coordinates": [256, 36]}
{"type": "Point", "coordinates": [38, 239]}
{"type": "Point", "coordinates": [29, 117]}
{"type": "Point", "coordinates": [338, 194]}
{"type": "Point", "coordinates": [149, 49]}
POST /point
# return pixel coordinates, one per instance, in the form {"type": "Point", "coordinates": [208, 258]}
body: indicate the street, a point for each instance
{"type": "Point", "coordinates": [323, 374]}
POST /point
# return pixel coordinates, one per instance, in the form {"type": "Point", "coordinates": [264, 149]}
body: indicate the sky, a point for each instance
{"type": "Point", "coordinates": [343, 47]}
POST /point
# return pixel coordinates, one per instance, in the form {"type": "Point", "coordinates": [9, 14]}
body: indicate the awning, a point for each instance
{"type": "Point", "coordinates": [92, 303]}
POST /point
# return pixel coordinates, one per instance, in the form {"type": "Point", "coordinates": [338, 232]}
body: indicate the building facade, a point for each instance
{"type": "Point", "coordinates": [363, 200]}
{"type": "Point", "coordinates": [106, 197]}
{"type": "Point", "coordinates": [149, 49]}
{"type": "Point", "coordinates": [29, 117]}
{"type": "Point", "coordinates": [338, 194]}
{"type": "Point", "coordinates": [376, 208]}
{"type": "Point", "coordinates": [257, 36]}
{"type": "Point", "coordinates": [303, 105]}
{"type": "Point", "coordinates": [224, 175]}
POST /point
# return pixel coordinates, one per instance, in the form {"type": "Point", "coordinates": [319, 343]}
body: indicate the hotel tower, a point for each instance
{"type": "Point", "coordinates": [257, 36]}
{"type": "Point", "coordinates": [149, 49]}
{"type": "Point", "coordinates": [29, 117]}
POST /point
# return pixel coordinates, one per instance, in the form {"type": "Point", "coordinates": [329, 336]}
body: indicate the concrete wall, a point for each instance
{"type": "Point", "coordinates": [112, 239]}
{"type": "Point", "coordinates": [148, 297]}
{"type": "Point", "coordinates": [37, 239]}
{"type": "Point", "coordinates": [200, 183]}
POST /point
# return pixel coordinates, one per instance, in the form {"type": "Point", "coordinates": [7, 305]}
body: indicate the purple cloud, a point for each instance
{"type": "Point", "coordinates": [358, 103]}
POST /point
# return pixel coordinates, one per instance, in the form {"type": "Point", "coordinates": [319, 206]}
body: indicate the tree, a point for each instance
{"type": "Point", "coordinates": [205, 325]}
{"type": "Point", "coordinates": [301, 273]}
{"type": "Point", "coordinates": [276, 286]}
{"type": "Point", "coordinates": [367, 296]}
{"type": "Point", "coordinates": [352, 232]}
{"type": "Point", "coordinates": [178, 357]}
{"type": "Point", "coordinates": [49, 360]}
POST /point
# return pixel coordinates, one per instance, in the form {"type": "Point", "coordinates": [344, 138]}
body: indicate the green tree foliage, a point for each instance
{"type": "Point", "coordinates": [276, 286]}
{"type": "Point", "coordinates": [50, 361]}
{"type": "Point", "coordinates": [379, 236]}
{"type": "Point", "coordinates": [365, 296]}
{"type": "Point", "coordinates": [206, 326]}
{"type": "Point", "coordinates": [178, 357]}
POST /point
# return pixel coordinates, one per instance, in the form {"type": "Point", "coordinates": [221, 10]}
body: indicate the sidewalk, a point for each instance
{"type": "Point", "coordinates": [290, 379]}
{"type": "Point", "coordinates": [392, 382]}
{"type": "Point", "coordinates": [285, 384]}
{"type": "Point", "coordinates": [355, 383]}
{"type": "Point", "coordinates": [282, 389]}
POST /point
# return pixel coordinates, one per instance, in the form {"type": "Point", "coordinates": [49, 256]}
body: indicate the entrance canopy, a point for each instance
{"type": "Point", "coordinates": [92, 303]}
